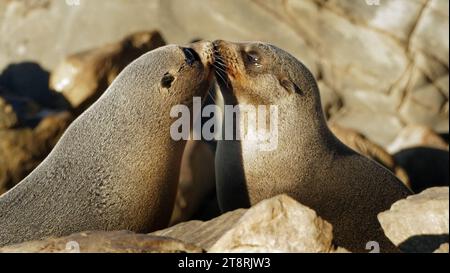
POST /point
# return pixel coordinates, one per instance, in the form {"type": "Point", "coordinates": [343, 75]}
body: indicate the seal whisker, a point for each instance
{"type": "Point", "coordinates": [221, 69]}
{"type": "Point", "coordinates": [222, 79]}
{"type": "Point", "coordinates": [211, 96]}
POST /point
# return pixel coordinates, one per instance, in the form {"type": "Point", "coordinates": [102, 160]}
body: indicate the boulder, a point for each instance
{"type": "Point", "coordinates": [387, 64]}
{"type": "Point", "coordinates": [279, 224]}
{"type": "Point", "coordinates": [417, 136]}
{"type": "Point", "coordinates": [418, 223]}
{"type": "Point", "coordinates": [202, 233]}
{"type": "Point", "coordinates": [8, 117]}
{"type": "Point", "coordinates": [84, 76]}
{"type": "Point", "coordinates": [102, 241]}
{"type": "Point", "coordinates": [22, 149]}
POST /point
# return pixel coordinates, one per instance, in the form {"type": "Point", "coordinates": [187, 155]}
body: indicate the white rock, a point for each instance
{"type": "Point", "coordinates": [279, 224]}
{"type": "Point", "coordinates": [417, 223]}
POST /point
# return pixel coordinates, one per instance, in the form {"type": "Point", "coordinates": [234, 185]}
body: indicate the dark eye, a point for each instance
{"type": "Point", "coordinates": [167, 80]}
{"type": "Point", "coordinates": [253, 58]}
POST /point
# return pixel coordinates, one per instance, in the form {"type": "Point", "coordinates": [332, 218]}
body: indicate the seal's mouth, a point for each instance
{"type": "Point", "coordinates": [220, 67]}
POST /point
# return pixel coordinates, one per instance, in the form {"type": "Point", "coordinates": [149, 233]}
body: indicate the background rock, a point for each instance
{"type": "Point", "coordinates": [100, 241]}
{"type": "Point", "coordinates": [84, 76]}
{"type": "Point", "coordinates": [21, 150]}
{"type": "Point", "coordinates": [279, 224]}
{"type": "Point", "coordinates": [420, 222]}
{"type": "Point", "coordinates": [8, 117]}
{"type": "Point", "coordinates": [386, 64]}
{"type": "Point", "coordinates": [417, 136]}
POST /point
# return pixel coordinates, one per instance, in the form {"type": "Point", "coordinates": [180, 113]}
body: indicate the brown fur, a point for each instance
{"type": "Point", "coordinates": [116, 167]}
{"type": "Point", "coordinates": [310, 163]}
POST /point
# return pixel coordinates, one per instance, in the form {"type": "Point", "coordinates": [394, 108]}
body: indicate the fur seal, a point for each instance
{"type": "Point", "coordinates": [116, 167]}
{"type": "Point", "coordinates": [309, 163]}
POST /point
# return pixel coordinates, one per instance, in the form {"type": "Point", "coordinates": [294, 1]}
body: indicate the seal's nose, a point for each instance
{"type": "Point", "coordinates": [205, 51]}
{"type": "Point", "coordinates": [190, 55]}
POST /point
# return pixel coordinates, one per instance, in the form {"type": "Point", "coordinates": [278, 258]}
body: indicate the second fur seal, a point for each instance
{"type": "Point", "coordinates": [309, 163]}
{"type": "Point", "coordinates": [117, 166]}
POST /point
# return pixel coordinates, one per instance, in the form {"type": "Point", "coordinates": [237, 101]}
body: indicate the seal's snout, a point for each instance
{"type": "Point", "coordinates": [190, 56]}
{"type": "Point", "coordinates": [204, 51]}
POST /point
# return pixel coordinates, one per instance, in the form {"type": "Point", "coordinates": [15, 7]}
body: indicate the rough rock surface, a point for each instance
{"type": "Point", "coordinates": [202, 234]}
{"type": "Point", "coordinates": [419, 223]}
{"type": "Point", "coordinates": [387, 63]}
{"type": "Point", "coordinates": [84, 76]}
{"type": "Point", "coordinates": [279, 224]}
{"type": "Point", "coordinates": [417, 136]}
{"type": "Point", "coordinates": [442, 249]}
{"type": "Point", "coordinates": [8, 117]}
{"type": "Point", "coordinates": [21, 150]}
{"type": "Point", "coordinates": [101, 241]}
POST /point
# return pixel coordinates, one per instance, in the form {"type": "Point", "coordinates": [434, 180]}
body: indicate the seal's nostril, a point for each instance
{"type": "Point", "coordinates": [190, 55]}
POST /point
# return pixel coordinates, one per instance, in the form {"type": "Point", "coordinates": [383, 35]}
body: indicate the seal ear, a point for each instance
{"type": "Point", "coordinates": [290, 86]}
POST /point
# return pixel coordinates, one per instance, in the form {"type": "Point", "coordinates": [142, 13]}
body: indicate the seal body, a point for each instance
{"type": "Point", "coordinates": [309, 163]}
{"type": "Point", "coordinates": [116, 167]}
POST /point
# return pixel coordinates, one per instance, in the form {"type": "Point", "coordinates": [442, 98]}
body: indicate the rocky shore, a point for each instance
{"type": "Point", "coordinates": [384, 87]}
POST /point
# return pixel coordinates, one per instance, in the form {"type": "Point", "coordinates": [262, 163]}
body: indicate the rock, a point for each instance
{"type": "Point", "coordinates": [279, 224]}
{"type": "Point", "coordinates": [8, 117]}
{"type": "Point", "coordinates": [102, 241]}
{"type": "Point", "coordinates": [431, 34]}
{"type": "Point", "coordinates": [16, 156]}
{"type": "Point", "coordinates": [425, 167]}
{"type": "Point", "coordinates": [27, 111]}
{"type": "Point", "coordinates": [382, 128]}
{"type": "Point", "coordinates": [331, 102]}
{"type": "Point", "coordinates": [364, 146]}
{"type": "Point", "coordinates": [418, 223]}
{"type": "Point", "coordinates": [84, 76]}
{"type": "Point", "coordinates": [202, 234]}
{"type": "Point", "coordinates": [380, 61]}
{"type": "Point", "coordinates": [442, 249]}
{"type": "Point", "coordinates": [21, 150]}
{"type": "Point", "coordinates": [417, 136]}
{"type": "Point", "coordinates": [402, 14]}
{"type": "Point", "coordinates": [197, 181]}
{"type": "Point", "coordinates": [33, 90]}
{"type": "Point", "coordinates": [274, 225]}
{"type": "Point", "coordinates": [424, 106]}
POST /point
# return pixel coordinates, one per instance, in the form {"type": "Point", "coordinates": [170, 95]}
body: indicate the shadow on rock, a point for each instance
{"type": "Point", "coordinates": [423, 243]}
{"type": "Point", "coordinates": [426, 167]}
{"type": "Point", "coordinates": [26, 87]}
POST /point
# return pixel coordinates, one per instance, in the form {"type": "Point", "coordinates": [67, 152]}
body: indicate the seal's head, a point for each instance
{"type": "Point", "coordinates": [260, 73]}
{"type": "Point", "coordinates": [183, 70]}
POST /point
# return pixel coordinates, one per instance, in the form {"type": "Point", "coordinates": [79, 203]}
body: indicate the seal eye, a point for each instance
{"type": "Point", "coordinates": [253, 58]}
{"type": "Point", "coordinates": [167, 80]}
{"type": "Point", "coordinates": [291, 87]}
